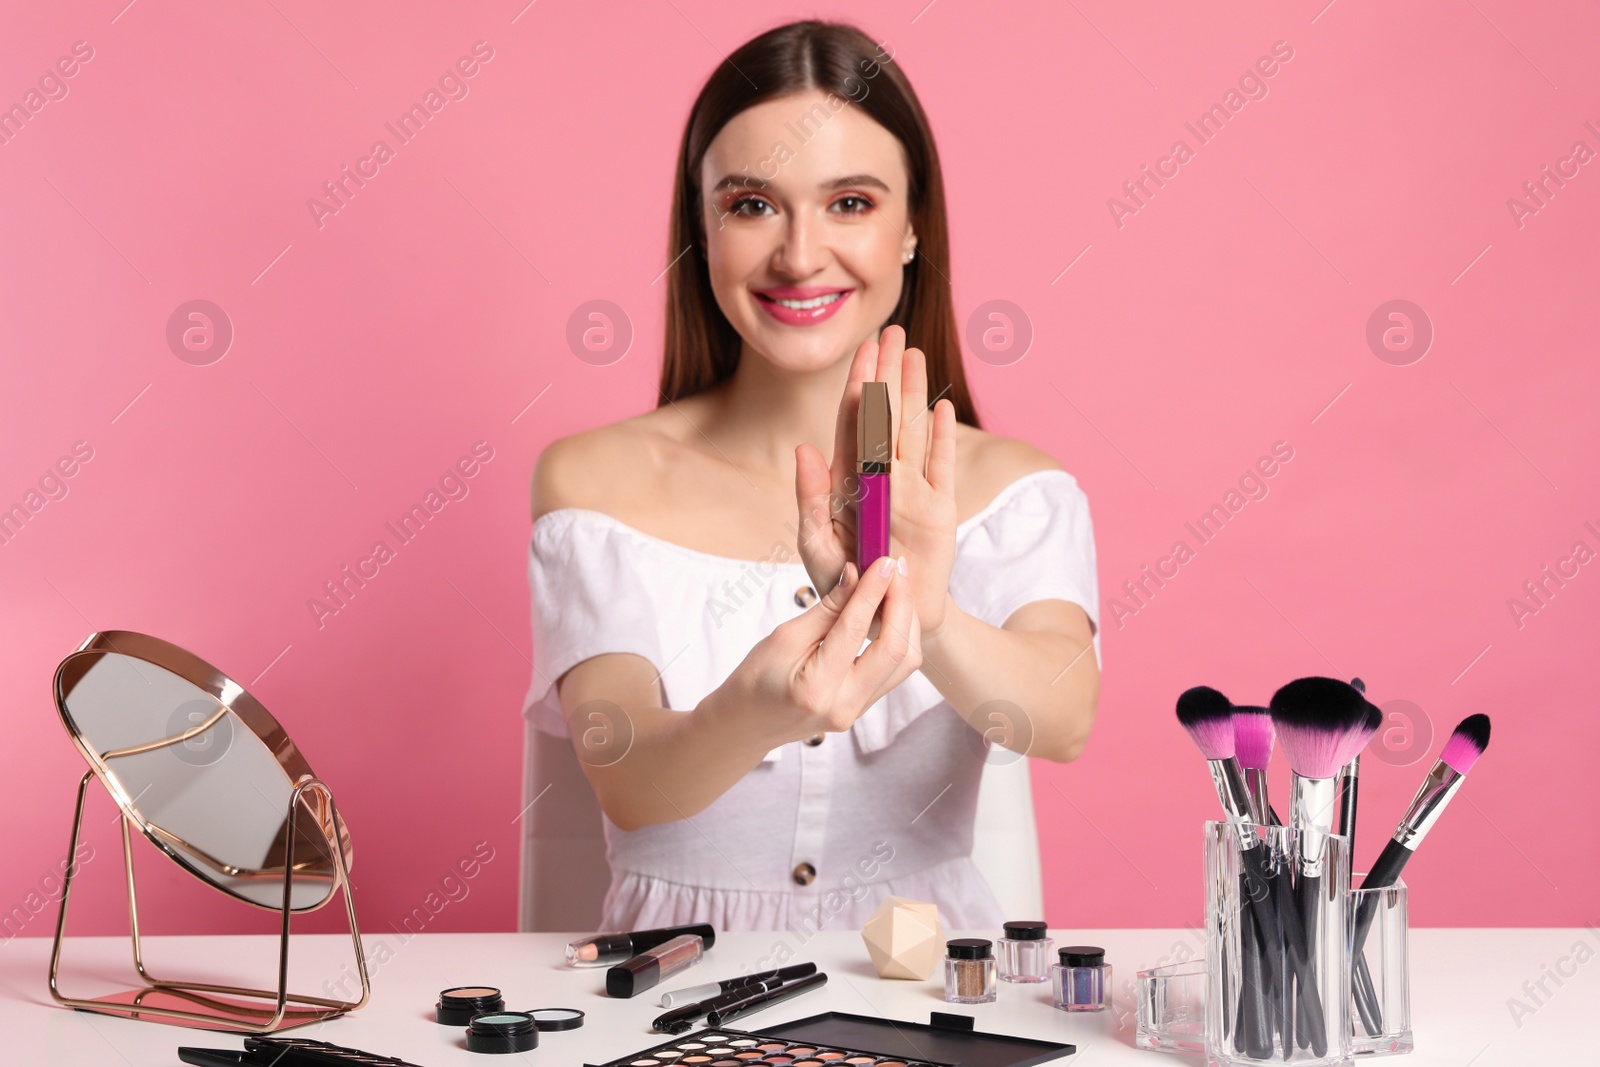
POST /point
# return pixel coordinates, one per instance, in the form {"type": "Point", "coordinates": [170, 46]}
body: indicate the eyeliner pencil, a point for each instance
{"type": "Point", "coordinates": [720, 1016]}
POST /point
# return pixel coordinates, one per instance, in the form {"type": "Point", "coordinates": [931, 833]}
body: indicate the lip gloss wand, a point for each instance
{"type": "Point", "coordinates": [874, 449]}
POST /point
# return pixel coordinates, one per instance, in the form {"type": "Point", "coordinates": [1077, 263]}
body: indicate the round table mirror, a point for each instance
{"type": "Point", "coordinates": [200, 767]}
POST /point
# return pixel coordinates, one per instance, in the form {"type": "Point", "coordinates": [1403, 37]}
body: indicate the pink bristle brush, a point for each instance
{"type": "Point", "coordinates": [1253, 735]}
{"type": "Point", "coordinates": [1468, 741]}
{"type": "Point", "coordinates": [1466, 744]}
{"type": "Point", "coordinates": [1321, 723]}
{"type": "Point", "coordinates": [1207, 716]}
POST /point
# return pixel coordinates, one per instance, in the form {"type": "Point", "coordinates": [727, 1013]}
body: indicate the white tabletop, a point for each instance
{"type": "Point", "coordinates": [1461, 986]}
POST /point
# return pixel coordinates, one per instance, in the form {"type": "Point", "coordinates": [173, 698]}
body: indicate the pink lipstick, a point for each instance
{"type": "Point", "coordinates": [802, 305]}
{"type": "Point", "coordinates": [874, 446]}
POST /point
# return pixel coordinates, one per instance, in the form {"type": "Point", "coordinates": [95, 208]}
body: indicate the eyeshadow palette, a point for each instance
{"type": "Point", "coordinates": [730, 1048]}
{"type": "Point", "coordinates": [838, 1039]}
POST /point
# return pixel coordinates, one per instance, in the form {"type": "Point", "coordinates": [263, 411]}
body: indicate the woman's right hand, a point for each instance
{"type": "Point", "coordinates": [805, 675]}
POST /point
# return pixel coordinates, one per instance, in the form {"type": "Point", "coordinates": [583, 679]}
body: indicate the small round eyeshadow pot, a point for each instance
{"type": "Point", "coordinates": [502, 1032]}
{"type": "Point", "coordinates": [548, 1019]}
{"type": "Point", "coordinates": [458, 1005]}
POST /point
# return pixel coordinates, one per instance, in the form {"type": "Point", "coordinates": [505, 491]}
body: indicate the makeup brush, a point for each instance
{"type": "Point", "coordinates": [1252, 741]}
{"type": "Point", "coordinates": [1466, 744]}
{"type": "Point", "coordinates": [1349, 782]}
{"type": "Point", "coordinates": [1320, 722]}
{"type": "Point", "coordinates": [1207, 716]}
{"type": "Point", "coordinates": [1253, 736]}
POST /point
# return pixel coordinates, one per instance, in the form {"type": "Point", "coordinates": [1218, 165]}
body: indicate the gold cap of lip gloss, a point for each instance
{"type": "Point", "coordinates": [873, 450]}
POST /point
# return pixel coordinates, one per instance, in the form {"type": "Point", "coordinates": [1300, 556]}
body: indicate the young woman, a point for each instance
{"type": "Point", "coordinates": [698, 614]}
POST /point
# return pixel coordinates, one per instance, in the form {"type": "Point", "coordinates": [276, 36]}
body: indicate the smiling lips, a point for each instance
{"type": "Point", "coordinates": [802, 305]}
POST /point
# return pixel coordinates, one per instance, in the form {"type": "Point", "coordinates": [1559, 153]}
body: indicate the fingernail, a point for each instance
{"type": "Point", "coordinates": [887, 566]}
{"type": "Point", "coordinates": [902, 565]}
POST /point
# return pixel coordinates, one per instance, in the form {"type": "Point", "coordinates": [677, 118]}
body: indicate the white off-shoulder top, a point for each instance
{"type": "Point", "coordinates": [819, 833]}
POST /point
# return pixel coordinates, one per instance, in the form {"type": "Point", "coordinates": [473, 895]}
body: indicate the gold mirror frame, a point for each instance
{"type": "Point", "coordinates": [310, 800]}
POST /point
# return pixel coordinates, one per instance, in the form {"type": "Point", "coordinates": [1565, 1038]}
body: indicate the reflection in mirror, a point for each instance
{"type": "Point", "coordinates": [204, 787]}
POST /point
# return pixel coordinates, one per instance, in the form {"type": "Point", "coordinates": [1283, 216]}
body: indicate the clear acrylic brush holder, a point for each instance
{"type": "Point", "coordinates": [1277, 949]}
{"type": "Point", "coordinates": [1380, 989]}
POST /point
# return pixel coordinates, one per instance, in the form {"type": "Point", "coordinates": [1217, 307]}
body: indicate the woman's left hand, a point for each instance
{"type": "Point", "coordinates": [922, 500]}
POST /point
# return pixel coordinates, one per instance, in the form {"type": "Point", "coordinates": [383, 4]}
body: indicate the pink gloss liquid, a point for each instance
{"type": "Point", "coordinates": [872, 519]}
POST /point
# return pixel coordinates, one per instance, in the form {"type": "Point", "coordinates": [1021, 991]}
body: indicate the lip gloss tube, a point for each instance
{"type": "Point", "coordinates": [874, 447]}
{"type": "Point", "coordinates": [645, 970]}
{"type": "Point", "coordinates": [603, 950]}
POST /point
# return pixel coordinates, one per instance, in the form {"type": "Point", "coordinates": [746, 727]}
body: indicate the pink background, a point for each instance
{"type": "Point", "coordinates": [1227, 314]}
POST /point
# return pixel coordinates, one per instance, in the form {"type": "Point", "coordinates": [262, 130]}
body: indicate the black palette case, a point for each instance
{"type": "Point", "coordinates": [841, 1038]}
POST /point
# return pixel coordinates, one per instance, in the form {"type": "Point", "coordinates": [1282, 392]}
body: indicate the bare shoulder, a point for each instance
{"type": "Point", "coordinates": [593, 468]}
{"type": "Point", "coordinates": [987, 463]}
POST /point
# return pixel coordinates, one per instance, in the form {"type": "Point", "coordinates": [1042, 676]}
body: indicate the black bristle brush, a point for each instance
{"type": "Point", "coordinates": [1207, 716]}
{"type": "Point", "coordinates": [1321, 723]}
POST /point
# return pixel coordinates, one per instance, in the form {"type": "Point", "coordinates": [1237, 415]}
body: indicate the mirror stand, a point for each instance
{"type": "Point", "coordinates": [208, 1006]}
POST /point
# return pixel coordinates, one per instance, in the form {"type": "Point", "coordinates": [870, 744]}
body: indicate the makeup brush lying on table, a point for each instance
{"type": "Point", "coordinates": [1207, 716]}
{"type": "Point", "coordinates": [1321, 723]}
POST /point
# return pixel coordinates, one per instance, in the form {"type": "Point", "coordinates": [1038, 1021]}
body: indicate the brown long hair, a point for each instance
{"type": "Point", "coordinates": [702, 347]}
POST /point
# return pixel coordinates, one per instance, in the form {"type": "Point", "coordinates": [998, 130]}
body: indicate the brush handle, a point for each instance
{"type": "Point", "coordinates": [1349, 787]}
{"type": "Point", "coordinates": [1253, 1033]}
{"type": "Point", "coordinates": [1264, 891]}
{"type": "Point", "coordinates": [1305, 976]}
{"type": "Point", "coordinates": [1384, 873]}
{"type": "Point", "coordinates": [1367, 998]}
{"type": "Point", "coordinates": [1307, 891]}
{"type": "Point", "coordinates": [1258, 886]}
{"type": "Point", "coordinates": [1272, 900]}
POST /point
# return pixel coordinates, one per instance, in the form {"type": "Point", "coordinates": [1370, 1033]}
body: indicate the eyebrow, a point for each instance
{"type": "Point", "coordinates": [744, 181]}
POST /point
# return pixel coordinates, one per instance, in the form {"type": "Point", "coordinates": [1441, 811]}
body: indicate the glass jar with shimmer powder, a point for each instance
{"type": "Point", "coordinates": [1025, 954]}
{"type": "Point", "coordinates": [1082, 980]}
{"type": "Point", "coordinates": [969, 971]}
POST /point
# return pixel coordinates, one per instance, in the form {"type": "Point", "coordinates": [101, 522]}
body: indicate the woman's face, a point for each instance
{"type": "Point", "coordinates": [807, 227]}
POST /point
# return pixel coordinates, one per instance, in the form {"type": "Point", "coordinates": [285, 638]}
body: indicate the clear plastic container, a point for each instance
{"type": "Point", "coordinates": [1081, 981]}
{"type": "Point", "coordinates": [969, 971]}
{"type": "Point", "coordinates": [1025, 952]}
{"type": "Point", "coordinates": [1278, 962]}
{"type": "Point", "coordinates": [1171, 1012]}
{"type": "Point", "coordinates": [1380, 993]}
